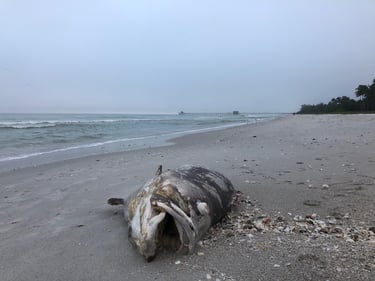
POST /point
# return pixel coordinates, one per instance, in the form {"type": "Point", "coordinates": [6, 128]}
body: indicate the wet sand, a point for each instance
{"type": "Point", "coordinates": [307, 213]}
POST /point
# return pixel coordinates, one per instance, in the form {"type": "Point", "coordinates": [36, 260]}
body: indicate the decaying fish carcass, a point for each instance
{"type": "Point", "coordinates": [175, 209]}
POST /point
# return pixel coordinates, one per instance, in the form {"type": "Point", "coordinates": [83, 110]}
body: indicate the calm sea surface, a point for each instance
{"type": "Point", "coordinates": [24, 136]}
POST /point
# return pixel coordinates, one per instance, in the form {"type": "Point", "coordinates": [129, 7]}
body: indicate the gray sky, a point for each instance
{"type": "Point", "coordinates": [196, 56]}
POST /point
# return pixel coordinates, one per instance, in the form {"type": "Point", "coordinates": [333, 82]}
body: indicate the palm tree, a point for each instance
{"type": "Point", "coordinates": [362, 91]}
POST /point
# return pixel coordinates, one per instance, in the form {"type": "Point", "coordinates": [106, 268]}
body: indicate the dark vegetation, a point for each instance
{"type": "Point", "coordinates": [365, 102]}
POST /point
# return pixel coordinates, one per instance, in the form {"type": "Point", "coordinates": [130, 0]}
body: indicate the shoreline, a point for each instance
{"type": "Point", "coordinates": [43, 139]}
{"type": "Point", "coordinates": [296, 174]}
{"type": "Point", "coordinates": [107, 147]}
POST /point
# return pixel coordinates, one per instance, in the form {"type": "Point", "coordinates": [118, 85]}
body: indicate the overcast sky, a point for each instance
{"type": "Point", "coordinates": [196, 56]}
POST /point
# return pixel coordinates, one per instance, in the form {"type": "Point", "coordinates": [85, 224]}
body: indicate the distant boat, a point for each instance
{"type": "Point", "coordinates": [236, 112]}
{"type": "Point", "coordinates": [181, 113]}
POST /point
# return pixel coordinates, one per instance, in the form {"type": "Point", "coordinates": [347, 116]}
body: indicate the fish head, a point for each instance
{"type": "Point", "coordinates": [160, 218]}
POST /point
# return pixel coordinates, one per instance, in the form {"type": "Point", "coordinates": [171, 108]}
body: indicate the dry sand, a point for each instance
{"type": "Point", "coordinates": [307, 212]}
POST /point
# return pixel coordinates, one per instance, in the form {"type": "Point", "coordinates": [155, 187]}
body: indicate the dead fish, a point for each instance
{"type": "Point", "coordinates": [175, 209]}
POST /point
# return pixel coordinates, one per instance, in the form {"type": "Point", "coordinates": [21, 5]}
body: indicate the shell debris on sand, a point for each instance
{"type": "Point", "coordinates": [341, 243]}
{"type": "Point", "coordinates": [247, 222]}
{"type": "Point", "coordinates": [247, 219]}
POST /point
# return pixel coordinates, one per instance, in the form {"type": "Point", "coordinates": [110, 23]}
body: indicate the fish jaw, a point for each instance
{"type": "Point", "coordinates": [143, 226]}
{"type": "Point", "coordinates": [186, 228]}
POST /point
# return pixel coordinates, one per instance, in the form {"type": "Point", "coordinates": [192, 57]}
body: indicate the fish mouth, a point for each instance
{"type": "Point", "coordinates": [176, 231]}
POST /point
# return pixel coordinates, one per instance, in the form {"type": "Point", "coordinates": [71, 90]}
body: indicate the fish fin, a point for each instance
{"type": "Point", "coordinates": [159, 170]}
{"type": "Point", "coordinates": [116, 201]}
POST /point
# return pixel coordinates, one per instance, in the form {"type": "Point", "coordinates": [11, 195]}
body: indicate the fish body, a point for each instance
{"type": "Point", "coordinates": [175, 209]}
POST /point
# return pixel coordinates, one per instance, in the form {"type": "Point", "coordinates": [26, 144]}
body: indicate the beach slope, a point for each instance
{"type": "Point", "coordinates": [307, 211]}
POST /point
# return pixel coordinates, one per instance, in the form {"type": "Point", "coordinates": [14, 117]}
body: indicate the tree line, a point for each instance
{"type": "Point", "coordinates": [365, 102]}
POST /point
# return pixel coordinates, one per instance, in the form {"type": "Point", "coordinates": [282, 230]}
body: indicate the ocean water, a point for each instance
{"type": "Point", "coordinates": [33, 136]}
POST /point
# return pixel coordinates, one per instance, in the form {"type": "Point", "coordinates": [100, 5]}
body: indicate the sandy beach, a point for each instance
{"type": "Point", "coordinates": [307, 212]}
